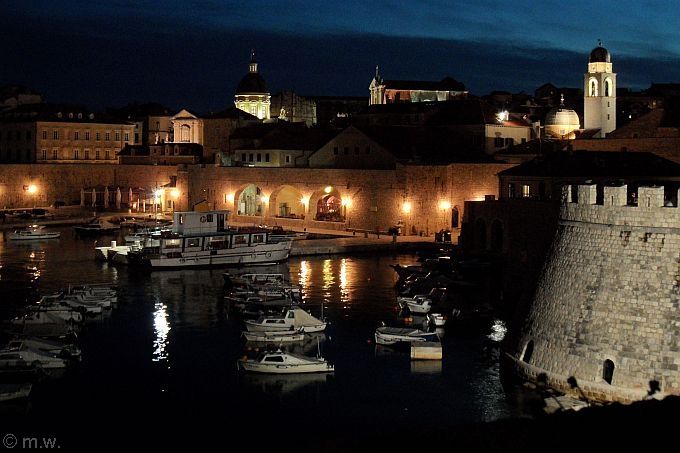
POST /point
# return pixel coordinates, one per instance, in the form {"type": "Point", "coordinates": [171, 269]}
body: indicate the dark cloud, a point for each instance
{"type": "Point", "coordinates": [111, 60]}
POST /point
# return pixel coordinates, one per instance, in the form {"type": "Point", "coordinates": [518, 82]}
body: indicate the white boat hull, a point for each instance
{"type": "Point", "coordinates": [20, 237]}
{"type": "Point", "coordinates": [253, 326]}
{"type": "Point", "coordinates": [320, 367]}
{"type": "Point", "coordinates": [274, 337]}
{"type": "Point", "coordinates": [264, 254]}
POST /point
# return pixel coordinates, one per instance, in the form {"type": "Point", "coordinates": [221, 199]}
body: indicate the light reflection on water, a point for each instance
{"type": "Point", "coordinates": [161, 329]}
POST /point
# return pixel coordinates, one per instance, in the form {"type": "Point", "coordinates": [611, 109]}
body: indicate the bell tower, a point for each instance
{"type": "Point", "coordinates": [599, 89]}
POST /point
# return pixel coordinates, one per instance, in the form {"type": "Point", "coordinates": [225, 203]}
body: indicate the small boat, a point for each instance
{"type": "Point", "coordinates": [280, 362]}
{"type": "Point", "coordinates": [10, 392]}
{"type": "Point", "coordinates": [31, 233]}
{"type": "Point", "coordinates": [292, 318]}
{"type": "Point", "coordinates": [416, 304]}
{"type": "Point", "coordinates": [98, 226]}
{"type": "Point", "coordinates": [62, 350]}
{"type": "Point", "coordinates": [24, 356]}
{"type": "Point", "coordinates": [437, 319]}
{"type": "Point", "coordinates": [277, 336]}
{"type": "Point", "coordinates": [392, 335]}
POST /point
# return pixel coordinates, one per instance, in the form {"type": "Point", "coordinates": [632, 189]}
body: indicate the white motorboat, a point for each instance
{"type": "Point", "coordinates": [10, 392]}
{"type": "Point", "coordinates": [64, 312]}
{"type": "Point", "coordinates": [392, 335]}
{"type": "Point", "coordinates": [31, 233]}
{"type": "Point", "coordinates": [62, 350]}
{"type": "Point", "coordinates": [280, 362]}
{"type": "Point", "coordinates": [416, 304]}
{"type": "Point", "coordinates": [293, 318]}
{"type": "Point", "coordinates": [23, 356]}
{"type": "Point", "coordinates": [202, 239]}
{"type": "Point", "coordinates": [276, 336]}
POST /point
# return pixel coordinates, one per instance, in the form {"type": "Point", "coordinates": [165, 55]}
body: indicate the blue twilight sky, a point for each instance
{"type": "Point", "coordinates": [193, 52]}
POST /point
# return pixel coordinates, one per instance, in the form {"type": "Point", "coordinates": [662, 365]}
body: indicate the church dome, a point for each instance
{"type": "Point", "coordinates": [253, 82]}
{"type": "Point", "coordinates": [600, 55]}
{"type": "Point", "coordinates": [560, 116]}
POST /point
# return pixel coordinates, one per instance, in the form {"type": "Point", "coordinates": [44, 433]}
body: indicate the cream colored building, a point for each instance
{"type": "Point", "coordinates": [562, 123]}
{"type": "Point", "coordinates": [211, 131]}
{"type": "Point", "coordinates": [61, 134]}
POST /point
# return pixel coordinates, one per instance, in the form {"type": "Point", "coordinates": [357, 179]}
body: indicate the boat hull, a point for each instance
{"type": "Point", "coordinates": [266, 254]}
{"type": "Point", "coordinates": [254, 367]}
{"type": "Point", "coordinates": [256, 327]}
{"type": "Point", "coordinates": [19, 237]}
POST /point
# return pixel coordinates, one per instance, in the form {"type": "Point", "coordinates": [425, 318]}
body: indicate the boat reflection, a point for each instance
{"type": "Point", "coordinates": [312, 343]}
{"type": "Point", "coordinates": [161, 328]}
{"type": "Point", "coordinates": [426, 366]}
{"type": "Point", "coordinates": [280, 384]}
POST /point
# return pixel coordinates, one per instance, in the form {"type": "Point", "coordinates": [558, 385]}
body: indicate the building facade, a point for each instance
{"type": "Point", "coordinates": [394, 91]}
{"type": "Point", "coordinates": [46, 133]}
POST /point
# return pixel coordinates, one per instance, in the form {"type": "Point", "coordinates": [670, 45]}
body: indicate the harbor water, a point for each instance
{"type": "Point", "coordinates": [162, 365]}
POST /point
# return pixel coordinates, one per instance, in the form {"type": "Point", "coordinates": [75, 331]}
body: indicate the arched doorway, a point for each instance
{"type": "Point", "coordinates": [528, 352]}
{"type": "Point", "coordinates": [497, 236]}
{"type": "Point", "coordinates": [455, 220]}
{"type": "Point", "coordinates": [329, 208]}
{"type": "Point", "coordinates": [287, 202]}
{"type": "Point", "coordinates": [480, 234]}
{"type": "Point", "coordinates": [249, 201]}
{"type": "Point", "coordinates": [608, 371]}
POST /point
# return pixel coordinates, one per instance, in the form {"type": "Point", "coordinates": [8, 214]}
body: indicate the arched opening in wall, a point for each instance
{"type": "Point", "coordinates": [496, 236]}
{"type": "Point", "coordinates": [528, 352]}
{"type": "Point", "coordinates": [249, 201]}
{"type": "Point", "coordinates": [455, 217]}
{"type": "Point", "coordinates": [608, 371]}
{"type": "Point", "coordinates": [185, 133]}
{"type": "Point", "coordinates": [480, 234]}
{"type": "Point", "coordinates": [574, 193]}
{"type": "Point", "coordinates": [592, 84]}
{"type": "Point", "coordinates": [608, 87]}
{"type": "Point", "coordinates": [287, 202]}
{"type": "Point", "coordinates": [329, 209]}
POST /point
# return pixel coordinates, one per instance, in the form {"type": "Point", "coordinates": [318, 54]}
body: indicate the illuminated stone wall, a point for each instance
{"type": "Point", "coordinates": [609, 291]}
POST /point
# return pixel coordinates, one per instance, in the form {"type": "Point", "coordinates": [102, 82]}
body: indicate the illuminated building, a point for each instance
{"type": "Point", "coordinates": [599, 102]}
{"type": "Point", "coordinates": [251, 94]}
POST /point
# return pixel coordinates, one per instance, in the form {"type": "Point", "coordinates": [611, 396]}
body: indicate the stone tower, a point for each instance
{"type": "Point", "coordinates": [599, 88]}
{"type": "Point", "coordinates": [605, 310]}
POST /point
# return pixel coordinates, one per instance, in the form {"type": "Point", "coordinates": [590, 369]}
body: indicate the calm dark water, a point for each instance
{"type": "Point", "coordinates": [163, 364]}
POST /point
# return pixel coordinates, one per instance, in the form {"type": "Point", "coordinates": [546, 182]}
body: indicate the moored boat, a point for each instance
{"type": "Point", "coordinates": [392, 335]}
{"type": "Point", "coordinates": [98, 226]}
{"type": "Point", "coordinates": [279, 362]}
{"type": "Point", "coordinates": [277, 336]}
{"type": "Point", "coordinates": [32, 233]}
{"type": "Point", "coordinates": [202, 239]}
{"type": "Point", "coordinates": [293, 318]}
{"type": "Point", "coordinates": [415, 304]}
{"type": "Point", "coordinates": [10, 392]}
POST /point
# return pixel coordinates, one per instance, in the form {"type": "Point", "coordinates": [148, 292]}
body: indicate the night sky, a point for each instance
{"type": "Point", "coordinates": [192, 53]}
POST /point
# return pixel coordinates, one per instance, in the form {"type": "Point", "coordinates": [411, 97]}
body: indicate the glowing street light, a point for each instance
{"type": "Point", "coordinates": [346, 202]}
{"type": "Point", "coordinates": [406, 207]}
{"type": "Point", "coordinates": [444, 205]}
{"type": "Point", "coordinates": [328, 189]}
{"type": "Point", "coordinates": [32, 189]}
{"type": "Point", "coordinates": [175, 193]}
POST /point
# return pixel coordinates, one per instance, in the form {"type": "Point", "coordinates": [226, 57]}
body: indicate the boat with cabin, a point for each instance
{"type": "Point", "coordinates": [202, 239]}
{"type": "Point", "coordinates": [293, 318]}
{"type": "Point", "coordinates": [33, 232]}
{"type": "Point", "coordinates": [279, 362]}
{"type": "Point", "coordinates": [275, 336]}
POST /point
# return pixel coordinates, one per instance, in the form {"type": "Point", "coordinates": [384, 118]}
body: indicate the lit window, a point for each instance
{"type": "Point", "coordinates": [526, 190]}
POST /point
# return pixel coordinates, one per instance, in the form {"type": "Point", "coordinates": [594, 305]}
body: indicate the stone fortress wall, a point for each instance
{"type": "Point", "coordinates": [606, 308]}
